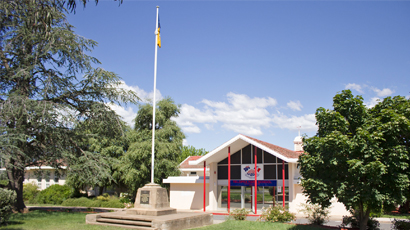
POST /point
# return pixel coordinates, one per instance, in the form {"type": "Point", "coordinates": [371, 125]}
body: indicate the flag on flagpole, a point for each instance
{"type": "Point", "coordinates": [158, 35]}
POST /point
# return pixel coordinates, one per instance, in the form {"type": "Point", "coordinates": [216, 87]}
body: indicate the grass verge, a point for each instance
{"type": "Point", "coordinates": [255, 225]}
{"type": "Point", "coordinates": [74, 220]}
{"type": "Point", "coordinates": [397, 216]}
{"type": "Point", "coordinates": [51, 221]}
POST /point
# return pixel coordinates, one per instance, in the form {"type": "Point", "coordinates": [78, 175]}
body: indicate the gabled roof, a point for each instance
{"type": "Point", "coordinates": [284, 152]}
{"type": "Point", "coordinates": [239, 142]}
{"type": "Point", "coordinates": [185, 164]}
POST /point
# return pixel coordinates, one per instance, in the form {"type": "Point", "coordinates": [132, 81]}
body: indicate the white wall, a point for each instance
{"type": "Point", "coordinates": [188, 196]}
{"type": "Point", "coordinates": [30, 177]}
{"type": "Point", "coordinates": [337, 209]}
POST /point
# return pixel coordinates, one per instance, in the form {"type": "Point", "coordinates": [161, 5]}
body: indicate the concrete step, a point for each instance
{"type": "Point", "coordinates": [127, 222]}
{"type": "Point", "coordinates": [125, 226]}
{"type": "Point", "coordinates": [125, 217]}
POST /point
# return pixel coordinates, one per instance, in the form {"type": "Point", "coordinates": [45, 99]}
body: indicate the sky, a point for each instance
{"type": "Point", "coordinates": [258, 68]}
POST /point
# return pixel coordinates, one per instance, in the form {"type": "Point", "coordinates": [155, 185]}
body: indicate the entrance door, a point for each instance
{"type": "Point", "coordinates": [248, 197]}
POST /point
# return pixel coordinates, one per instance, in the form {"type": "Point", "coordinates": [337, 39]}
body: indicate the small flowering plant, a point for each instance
{"type": "Point", "coordinates": [276, 214]}
{"type": "Point", "coordinates": [239, 214]}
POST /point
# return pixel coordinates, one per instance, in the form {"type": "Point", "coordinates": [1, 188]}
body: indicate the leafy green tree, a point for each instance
{"type": "Point", "coordinates": [134, 169]}
{"type": "Point", "coordinates": [52, 99]}
{"type": "Point", "coordinates": [190, 151]}
{"type": "Point", "coordinates": [111, 148]}
{"type": "Point", "coordinates": [364, 152]}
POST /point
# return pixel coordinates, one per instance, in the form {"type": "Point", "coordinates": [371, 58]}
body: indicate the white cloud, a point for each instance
{"type": "Point", "coordinates": [184, 142]}
{"type": "Point", "coordinates": [244, 129]}
{"type": "Point", "coordinates": [306, 122]}
{"type": "Point", "coordinates": [240, 101]}
{"type": "Point", "coordinates": [209, 126]}
{"type": "Point", "coordinates": [295, 105]}
{"type": "Point", "coordinates": [241, 114]}
{"type": "Point", "coordinates": [127, 114]}
{"type": "Point", "coordinates": [372, 102]}
{"type": "Point", "coordinates": [145, 96]}
{"type": "Point", "coordinates": [384, 92]}
{"type": "Point", "coordinates": [190, 115]}
{"type": "Point", "coordinates": [191, 129]}
{"type": "Point", "coordinates": [354, 86]}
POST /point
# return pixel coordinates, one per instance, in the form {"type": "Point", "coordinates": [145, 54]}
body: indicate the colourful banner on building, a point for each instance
{"type": "Point", "coordinates": [265, 183]}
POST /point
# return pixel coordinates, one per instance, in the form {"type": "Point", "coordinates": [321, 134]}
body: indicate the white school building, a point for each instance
{"type": "Point", "coordinates": [230, 178]}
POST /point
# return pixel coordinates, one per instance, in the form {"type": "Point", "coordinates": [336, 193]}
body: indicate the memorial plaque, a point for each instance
{"type": "Point", "coordinates": [144, 197]}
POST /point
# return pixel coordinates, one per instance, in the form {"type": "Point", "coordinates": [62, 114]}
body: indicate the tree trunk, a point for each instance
{"type": "Point", "coordinates": [16, 177]}
{"type": "Point", "coordinates": [363, 217]}
{"type": "Point", "coordinates": [101, 188]}
{"type": "Point", "coordinates": [405, 207]}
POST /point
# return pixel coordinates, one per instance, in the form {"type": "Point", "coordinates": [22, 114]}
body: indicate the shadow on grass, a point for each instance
{"type": "Point", "coordinates": [7, 228]}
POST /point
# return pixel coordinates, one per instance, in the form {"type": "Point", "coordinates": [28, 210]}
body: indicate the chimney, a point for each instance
{"type": "Point", "coordinates": [298, 143]}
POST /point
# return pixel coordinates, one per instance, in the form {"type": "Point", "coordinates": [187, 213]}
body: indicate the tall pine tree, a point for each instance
{"type": "Point", "coordinates": [52, 99]}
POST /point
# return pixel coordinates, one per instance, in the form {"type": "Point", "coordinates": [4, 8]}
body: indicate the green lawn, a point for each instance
{"type": "Point", "coordinates": [397, 216]}
{"type": "Point", "coordinates": [255, 225]}
{"type": "Point", "coordinates": [71, 220]}
{"type": "Point", "coordinates": [51, 221]}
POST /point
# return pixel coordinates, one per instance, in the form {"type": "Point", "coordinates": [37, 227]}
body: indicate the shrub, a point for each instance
{"type": "Point", "coordinates": [372, 223]}
{"type": "Point", "coordinates": [104, 197]}
{"type": "Point", "coordinates": [125, 200]}
{"type": "Point", "coordinates": [55, 194]}
{"type": "Point", "coordinates": [30, 191]}
{"type": "Point", "coordinates": [4, 181]}
{"type": "Point", "coordinates": [316, 214]}
{"type": "Point", "coordinates": [239, 214]}
{"type": "Point", "coordinates": [7, 199]}
{"type": "Point", "coordinates": [113, 202]}
{"type": "Point", "coordinates": [401, 224]}
{"type": "Point", "coordinates": [276, 214]}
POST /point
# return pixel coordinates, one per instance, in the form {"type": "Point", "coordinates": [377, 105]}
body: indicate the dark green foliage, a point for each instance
{"type": "Point", "coordinates": [82, 201]}
{"type": "Point", "coordinates": [352, 221]}
{"type": "Point", "coordinates": [30, 192]}
{"type": "Point", "coordinates": [190, 151]}
{"type": "Point", "coordinates": [7, 199]}
{"type": "Point", "coordinates": [365, 152]}
{"type": "Point", "coordinates": [239, 214]}
{"type": "Point", "coordinates": [276, 214]}
{"type": "Point", "coordinates": [134, 169]}
{"type": "Point", "coordinates": [4, 181]}
{"type": "Point", "coordinates": [113, 202]}
{"type": "Point", "coordinates": [55, 194]}
{"type": "Point", "coordinates": [125, 200]}
{"type": "Point", "coordinates": [52, 99]}
{"type": "Point", "coordinates": [401, 224]}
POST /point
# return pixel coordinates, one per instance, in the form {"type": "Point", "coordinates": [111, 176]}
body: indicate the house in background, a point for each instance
{"type": "Point", "coordinates": [45, 179]}
{"type": "Point", "coordinates": [231, 172]}
{"type": "Point", "coordinates": [45, 176]}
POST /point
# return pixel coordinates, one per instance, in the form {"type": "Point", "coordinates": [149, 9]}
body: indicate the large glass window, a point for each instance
{"type": "Point", "coordinates": [269, 172]}
{"type": "Point", "coordinates": [280, 175]}
{"type": "Point", "coordinates": [236, 158]}
{"type": "Point", "coordinates": [242, 197]}
{"type": "Point", "coordinates": [39, 178]}
{"type": "Point", "coordinates": [223, 172]}
{"type": "Point", "coordinates": [247, 155]}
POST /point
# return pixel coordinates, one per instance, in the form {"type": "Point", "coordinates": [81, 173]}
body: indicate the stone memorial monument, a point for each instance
{"type": "Point", "coordinates": [152, 200]}
{"type": "Point", "coordinates": [152, 211]}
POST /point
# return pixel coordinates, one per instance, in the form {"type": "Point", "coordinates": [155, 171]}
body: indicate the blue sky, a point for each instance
{"type": "Point", "coordinates": [259, 68]}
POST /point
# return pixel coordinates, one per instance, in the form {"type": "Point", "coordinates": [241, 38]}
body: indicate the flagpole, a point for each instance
{"type": "Point", "coordinates": [153, 103]}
